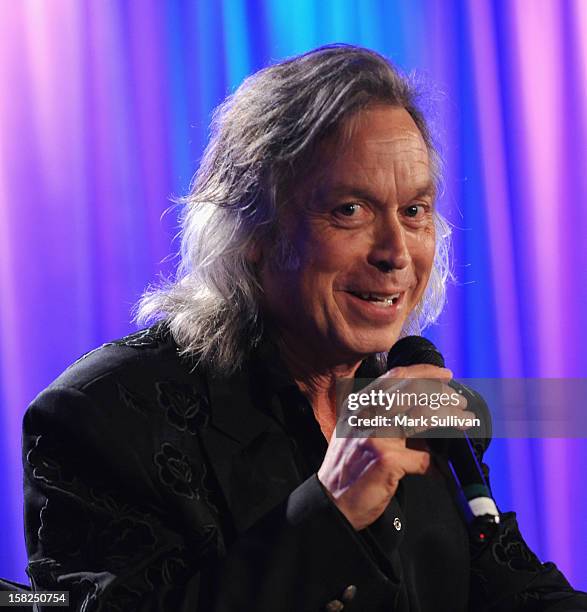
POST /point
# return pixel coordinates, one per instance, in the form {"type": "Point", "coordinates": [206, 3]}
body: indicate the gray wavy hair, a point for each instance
{"type": "Point", "coordinates": [261, 135]}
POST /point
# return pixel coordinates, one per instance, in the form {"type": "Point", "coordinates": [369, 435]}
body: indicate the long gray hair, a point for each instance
{"type": "Point", "coordinates": [261, 135]}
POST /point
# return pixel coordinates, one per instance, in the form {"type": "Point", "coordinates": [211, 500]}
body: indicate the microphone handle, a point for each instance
{"type": "Point", "coordinates": [481, 510]}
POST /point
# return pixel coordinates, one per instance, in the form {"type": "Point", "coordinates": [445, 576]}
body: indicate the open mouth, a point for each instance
{"type": "Point", "coordinates": [384, 300]}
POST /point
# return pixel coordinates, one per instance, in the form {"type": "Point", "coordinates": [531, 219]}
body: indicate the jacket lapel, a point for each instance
{"type": "Point", "coordinates": [249, 451]}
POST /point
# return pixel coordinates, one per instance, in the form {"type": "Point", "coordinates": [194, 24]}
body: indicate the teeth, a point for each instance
{"type": "Point", "coordinates": [374, 297]}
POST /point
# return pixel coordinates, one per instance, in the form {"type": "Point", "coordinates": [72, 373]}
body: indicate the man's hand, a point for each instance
{"type": "Point", "coordinates": [361, 475]}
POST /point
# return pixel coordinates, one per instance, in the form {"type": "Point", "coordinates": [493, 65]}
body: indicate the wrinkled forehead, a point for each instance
{"type": "Point", "coordinates": [377, 140]}
{"type": "Point", "coordinates": [380, 116]}
{"type": "Point", "coordinates": [376, 131]}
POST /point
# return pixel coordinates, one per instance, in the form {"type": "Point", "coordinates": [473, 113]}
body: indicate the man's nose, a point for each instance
{"type": "Point", "coordinates": [389, 251]}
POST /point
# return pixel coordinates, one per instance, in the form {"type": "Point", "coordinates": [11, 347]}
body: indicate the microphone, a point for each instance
{"type": "Point", "coordinates": [481, 510]}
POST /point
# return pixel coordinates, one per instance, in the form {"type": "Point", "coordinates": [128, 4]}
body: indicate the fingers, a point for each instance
{"type": "Point", "coordinates": [405, 402]}
{"type": "Point", "coordinates": [392, 464]}
{"type": "Point", "coordinates": [367, 457]}
{"type": "Point", "coordinates": [445, 427]}
{"type": "Point", "coordinates": [433, 392]}
{"type": "Point", "coordinates": [423, 378]}
{"type": "Point", "coordinates": [405, 460]}
{"type": "Point", "coordinates": [422, 370]}
{"type": "Point", "coordinates": [361, 476]}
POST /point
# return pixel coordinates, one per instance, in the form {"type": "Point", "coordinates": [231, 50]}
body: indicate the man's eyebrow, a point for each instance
{"type": "Point", "coordinates": [357, 191]}
{"type": "Point", "coordinates": [426, 190]}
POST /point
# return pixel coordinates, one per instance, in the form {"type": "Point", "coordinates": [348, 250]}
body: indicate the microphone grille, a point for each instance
{"type": "Point", "coordinates": [412, 350]}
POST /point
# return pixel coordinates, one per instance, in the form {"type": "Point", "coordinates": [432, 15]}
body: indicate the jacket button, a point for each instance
{"type": "Point", "coordinates": [334, 606]}
{"type": "Point", "coordinates": [397, 523]}
{"type": "Point", "coordinates": [349, 593]}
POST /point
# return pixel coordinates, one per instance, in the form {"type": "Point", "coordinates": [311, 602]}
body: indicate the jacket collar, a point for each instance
{"type": "Point", "coordinates": [246, 442]}
{"type": "Point", "coordinates": [248, 448]}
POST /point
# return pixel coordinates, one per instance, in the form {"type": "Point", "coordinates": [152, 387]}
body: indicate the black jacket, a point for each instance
{"type": "Point", "coordinates": [151, 485]}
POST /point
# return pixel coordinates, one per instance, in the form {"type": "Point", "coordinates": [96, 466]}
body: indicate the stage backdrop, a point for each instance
{"type": "Point", "coordinates": [103, 117]}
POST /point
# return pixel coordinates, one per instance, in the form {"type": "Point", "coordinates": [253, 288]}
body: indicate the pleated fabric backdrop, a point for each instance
{"type": "Point", "coordinates": [104, 113]}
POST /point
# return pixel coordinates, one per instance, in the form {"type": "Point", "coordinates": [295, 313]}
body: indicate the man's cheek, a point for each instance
{"type": "Point", "coordinates": [341, 256]}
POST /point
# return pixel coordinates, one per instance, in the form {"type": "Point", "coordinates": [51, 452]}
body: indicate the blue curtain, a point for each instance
{"type": "Point", "coordinates": [104, 115]}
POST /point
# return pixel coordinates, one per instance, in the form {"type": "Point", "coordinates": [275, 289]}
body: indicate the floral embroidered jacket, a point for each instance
{"type": "Point", "coordinates": [152, 486]}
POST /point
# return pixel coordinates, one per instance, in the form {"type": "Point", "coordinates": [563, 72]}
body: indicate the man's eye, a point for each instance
{"type": "Point", "coordinates": [415, 210]}
{"type": "Point", "coordinates": [348, 210]}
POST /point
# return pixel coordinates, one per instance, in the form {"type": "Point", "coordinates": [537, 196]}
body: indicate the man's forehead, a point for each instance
{"type": "Point", "coordinates": [408, 144]}
{"type": "Point", "coordinates": [372, 144]}
{"type": "Point", "coordinates": [401, 144]}
{"type": "Point", "coordinates": [417, 185]}
{"type": "Point", "coordinates": [379, 120]}
{"type": "Point", "coordinates": [378, 141]}
{"type": "Point", "coordinates": [354, 168]}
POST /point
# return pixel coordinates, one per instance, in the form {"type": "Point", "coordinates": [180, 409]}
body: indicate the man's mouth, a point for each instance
{"type": "Point", "coordinates": [383, 299]}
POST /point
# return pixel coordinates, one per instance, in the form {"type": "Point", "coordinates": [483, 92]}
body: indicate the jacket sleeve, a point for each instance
{"type": "Point", "coordinates": [506, 576]}
{"type": "Point", "coordinates": [99, 526]}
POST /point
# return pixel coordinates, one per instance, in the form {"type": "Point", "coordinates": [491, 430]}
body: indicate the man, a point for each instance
{"type": "Point", "coordinates": [194, 465]}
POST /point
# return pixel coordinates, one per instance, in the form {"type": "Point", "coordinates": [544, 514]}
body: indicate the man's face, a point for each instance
{"type": "Point", "coordinates": [361, 224]}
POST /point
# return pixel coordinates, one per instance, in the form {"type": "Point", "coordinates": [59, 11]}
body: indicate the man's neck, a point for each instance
{"type": "Point", "coordinates": [317, 382]}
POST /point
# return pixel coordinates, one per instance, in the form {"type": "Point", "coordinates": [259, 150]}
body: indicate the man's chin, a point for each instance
{"type": "Point", "coordinates": [364, 348]}
{"type": "Point", "coordinates": [378, 341]}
